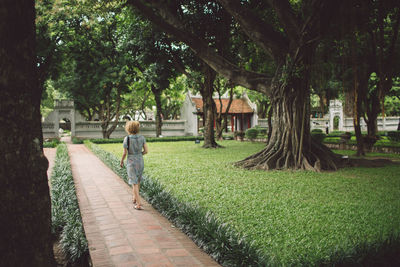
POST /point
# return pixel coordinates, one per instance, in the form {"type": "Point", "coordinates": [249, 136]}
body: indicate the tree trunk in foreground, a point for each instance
{"type": "Point", "coordinates": [24, 193]}
{"type": "Point", "coordinates": [290, 145]}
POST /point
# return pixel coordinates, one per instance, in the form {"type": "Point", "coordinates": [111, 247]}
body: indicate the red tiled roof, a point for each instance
{"type": "Point", "coordinates": [237, 106]}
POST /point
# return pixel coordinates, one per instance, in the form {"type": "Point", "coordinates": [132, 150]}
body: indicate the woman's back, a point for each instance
{"type": "Point", "coordinates": [135, 145]}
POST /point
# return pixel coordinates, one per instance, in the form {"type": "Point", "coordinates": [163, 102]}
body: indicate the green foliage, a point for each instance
{"type": "Point", "coordinates": [318, 136]}
{"type": "Point", "coordinates": [251, 133]}
{"type": "Point", "coordinates": [294, 218]}
{"type": "Point", "coordinates": [261, 130]}
{"type": "Point", "coordinates": [335, 134]}
{"type": "Point", "coordinates": [382, 142]}
{"type": "Point", "coordinates": [394, 136]}
{"type": "Point", "coordinates": [51, 144]}
{"type": "Point", "coordinates": [66, 217]}
{"type": "Point", "coordinates": [239, 134]}
{"type": "Point", "coordinates": [353, 153]}
{"type": "Point", "coordinates": [316, 131]}
{"type": "Point", "coordinates": [220, 240]}
{"type": "Point", "coordinates": [77, 140]}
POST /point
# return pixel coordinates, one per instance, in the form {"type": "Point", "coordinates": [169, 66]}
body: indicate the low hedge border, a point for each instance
{"type": "Point", "coordinates": [150, 139]}
{"type": "Point", "coordinates": [65, 213]}
{"type": "Point", "coordinates": [218, 239]}
{"type": "Point", "coordinates": [51, 143]}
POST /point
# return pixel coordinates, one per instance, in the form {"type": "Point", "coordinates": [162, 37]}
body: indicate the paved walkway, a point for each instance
{"type": "Point", "coordinates": [119, 235]}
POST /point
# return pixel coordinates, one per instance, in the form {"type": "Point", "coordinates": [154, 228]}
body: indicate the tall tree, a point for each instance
{"type": "Point", "coordinates": [24, 193]}
{"type": "Point", "coordinates": [150, 49]}
{"type": "Point", "coordinates": [289, 33]}
{"type": "Point", "coordinates": [99, 68]}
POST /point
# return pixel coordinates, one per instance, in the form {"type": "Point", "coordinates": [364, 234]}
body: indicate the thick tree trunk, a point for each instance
{"type": "Point", "coordinates": [357, 118]}
{"type": "Point", "coordinates": [221, 120]}
{"type": "Point", "coordinates": [209, 108]}
{"type": "Point", "coordinates": [157, 96]}
{"type": "Point", "coordinates": [24, 193]}
{"type": "Point", "coordinates": [290, 145]}
{"type": "Point", "coordinates": [270, 112]}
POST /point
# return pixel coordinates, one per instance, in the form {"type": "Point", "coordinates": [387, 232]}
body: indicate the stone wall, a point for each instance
{"type": "Point", "coordinates": [92, 129]}
{"type": "Point", "coordinates": [386, 124]}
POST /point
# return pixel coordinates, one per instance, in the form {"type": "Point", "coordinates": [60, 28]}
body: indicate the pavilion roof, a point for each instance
{"type": "Point", "coordinates": [238, 106]}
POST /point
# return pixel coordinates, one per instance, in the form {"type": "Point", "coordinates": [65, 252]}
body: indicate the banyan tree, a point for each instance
{"type": "Point", "coordinates": [289, 32]}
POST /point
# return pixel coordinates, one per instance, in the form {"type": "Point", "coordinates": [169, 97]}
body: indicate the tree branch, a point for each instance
{"type": "Point", "coordinates": [288, 18]}
{"type": "Point", "coordinates": [162, 18]}
{"type": "Point", "coordinates": [262, 33]}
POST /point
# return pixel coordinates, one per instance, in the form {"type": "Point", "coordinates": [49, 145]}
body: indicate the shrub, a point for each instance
{"type": "Point", "coordinates": [261, 130]}
{"type": "Point", "coordinates": [394, 136]}
{"type": "Point", "coordinates": [251, 133]}
{"type": "Point", "coordinates": [76, 140]}
{"type": "Point", "coordinates": [318, 136]}
{"type": "Point", "coordinates": [66, 217]}
{"type": "Point", "coordinates": [316, 131]}
{"type": "Point", "coordinates": [150, 139]}
{"type": "Point", "coordinates": [345, 137]}
{"type": "Point", "coordinates": [335, 134]}
{"type": "Point", "coordinates": [239, 134]}
{"type": "Point", "coordinates": [51, 143]}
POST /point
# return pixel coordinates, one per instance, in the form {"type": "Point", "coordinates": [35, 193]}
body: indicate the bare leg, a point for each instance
{"type": "Point", "coordinates": [136, 193]}
{"type": "Point", "coordinates": [133, 195]}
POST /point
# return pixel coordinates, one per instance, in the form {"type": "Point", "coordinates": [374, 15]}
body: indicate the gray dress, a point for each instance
{"type": "Point", "coordinates": [134, 164]}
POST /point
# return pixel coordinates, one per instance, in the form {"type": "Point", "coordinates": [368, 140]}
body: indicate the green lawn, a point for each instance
{"type": "Point", "coordinates": [294, 217]}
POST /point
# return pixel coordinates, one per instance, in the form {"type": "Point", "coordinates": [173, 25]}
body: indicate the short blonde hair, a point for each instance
{"type": "Point", "coordinates": [132, 127]}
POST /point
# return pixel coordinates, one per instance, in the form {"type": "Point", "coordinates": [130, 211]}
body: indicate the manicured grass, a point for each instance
{"type": "Point", "coordinates": [295, 218]}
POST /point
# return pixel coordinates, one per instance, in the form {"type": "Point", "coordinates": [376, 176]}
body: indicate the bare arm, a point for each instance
{"type": "Point", "coordinates": [145, 149]}
{"type": "Point", "coordinates": [123, 157]}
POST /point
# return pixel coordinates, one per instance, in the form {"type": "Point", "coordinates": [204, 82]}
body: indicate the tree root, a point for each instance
{"type": "Point", "coordinates": [318, 158]}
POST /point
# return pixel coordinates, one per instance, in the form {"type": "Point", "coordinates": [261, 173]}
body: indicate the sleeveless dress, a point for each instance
{"type": "Point", "coordinates": [134, 164]}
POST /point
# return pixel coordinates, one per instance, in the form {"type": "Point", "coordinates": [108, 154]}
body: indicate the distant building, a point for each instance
{"type": "Point", "coordinates": [242, 113]}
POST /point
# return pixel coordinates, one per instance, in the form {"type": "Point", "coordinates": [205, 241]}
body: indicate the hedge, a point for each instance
{"type": "Point", "coordinates": [65, 213]}
{"type": "Point", "coordinates": [216, 238]}
{"type": "Point", "coordinates": [51, 144]}
{"type": "Point", "coordinates": [251, 133]}
{"type": "Point", "coordinates": [149, 139]}
{"type": "Point", "coordinates": [394, 136]}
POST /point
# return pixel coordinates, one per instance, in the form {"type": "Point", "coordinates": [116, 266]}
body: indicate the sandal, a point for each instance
{"type": "Point", "coordinates": [133, 201]}
{"type": "Point", "coordinates": [137, 207]}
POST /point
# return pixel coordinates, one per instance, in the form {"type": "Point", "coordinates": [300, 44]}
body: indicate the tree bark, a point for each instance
{"type": "Point", "coordinates": [372, 110]}
{"type": "Point", "coordinates": [24, 193]}
{"type": "Point", "coordinates": [209, 108]}
{"type": "Point", "coordinates": [221, 120]}
{"type": "Point", "coordinates": [157, 96]}
{"type": "Point", "coordinates": [357, 104]}
{"type": "Point", "coordinates": [290, 145]}
{"type": "Point", "coordinates": [270, 112]}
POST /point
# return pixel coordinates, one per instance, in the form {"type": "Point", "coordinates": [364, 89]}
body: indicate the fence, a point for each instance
{"type": "Point", "coordinates": [386, 124]}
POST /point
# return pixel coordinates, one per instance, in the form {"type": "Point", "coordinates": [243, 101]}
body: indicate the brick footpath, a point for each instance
{"type": "Point", "coordinates": [119, 235]}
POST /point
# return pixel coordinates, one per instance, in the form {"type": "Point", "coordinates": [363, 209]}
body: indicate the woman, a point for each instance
{"type": "Point", "coordinates": [135, 146]}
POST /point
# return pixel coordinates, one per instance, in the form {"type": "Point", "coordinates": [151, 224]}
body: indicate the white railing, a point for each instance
{"type": "Point", "coordinates": [92, 129]}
